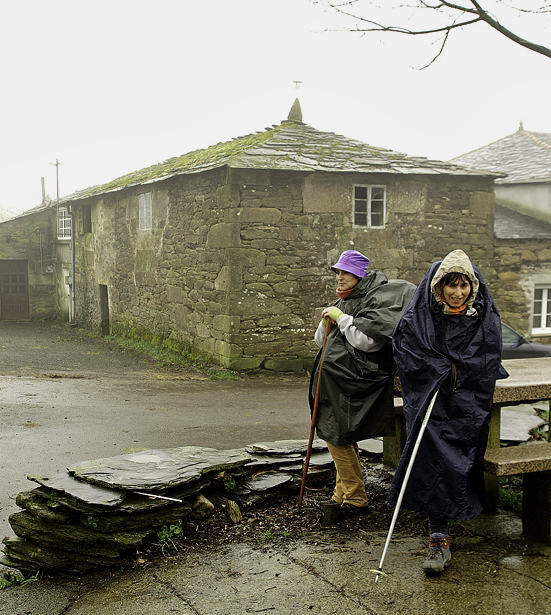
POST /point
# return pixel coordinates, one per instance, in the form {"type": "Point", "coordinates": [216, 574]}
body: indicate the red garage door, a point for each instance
{"type": "Point", "coordinates": [14, 290]}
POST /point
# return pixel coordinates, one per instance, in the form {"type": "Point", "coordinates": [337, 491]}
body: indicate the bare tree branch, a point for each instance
{"type": "Point", "coordinates": [468, 14]}
{"type": "Point", "coordinates": [510, 35]}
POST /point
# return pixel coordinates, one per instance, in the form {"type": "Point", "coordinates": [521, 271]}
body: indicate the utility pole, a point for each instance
{"type": "Point", "coordinates": [70, 213]}
{"type": "Point", "coordinates": [56, 165]}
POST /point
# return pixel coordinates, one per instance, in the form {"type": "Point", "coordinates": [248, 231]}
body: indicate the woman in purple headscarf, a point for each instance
{"type": "Point", "coordinates": [356, 398]}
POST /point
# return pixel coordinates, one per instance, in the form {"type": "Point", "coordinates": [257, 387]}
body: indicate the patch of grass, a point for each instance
{"type": "Point", "coordinates": [9, 580]}
{"type": "Point", "coordinates": [169, 536]}
{"type": "Point", "coordinates": [166, 353]}
{"type": "Point", "coordinates": [274, 533]}
{"type": "Point", "coordinates": [229, 485]}
{"type": "Point", "coordinates": [161, 353]}
{"type": "Point", "coordinates": [224, 374]}
{"type": "Point", "coordinates": [510, 493]}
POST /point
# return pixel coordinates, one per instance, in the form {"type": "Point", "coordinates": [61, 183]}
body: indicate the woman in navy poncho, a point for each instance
{"type": "Point", "coordinates": [447, 341]}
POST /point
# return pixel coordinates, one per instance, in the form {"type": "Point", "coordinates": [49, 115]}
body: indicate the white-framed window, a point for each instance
{"type": "Point", "coordinates": [145, 214]}
{"type": "Point", "coordinates": [369, 206]}
{"type": "Point", "coordinates": [64, 226]}
{"type": "Point", "coordinates": [541, 310]}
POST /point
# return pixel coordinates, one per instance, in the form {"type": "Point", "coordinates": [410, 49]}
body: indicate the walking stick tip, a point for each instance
{"type": "Point", "coordinates": [377, 572]}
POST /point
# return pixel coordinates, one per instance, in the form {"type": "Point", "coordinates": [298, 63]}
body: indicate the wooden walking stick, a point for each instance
{"type": "Point", "coordinates": [314, 417]}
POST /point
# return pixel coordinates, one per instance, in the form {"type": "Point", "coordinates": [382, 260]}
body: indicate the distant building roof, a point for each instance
{"type": "Point", "coordinates": [524, 156]}
{"type": "Point", "coordinates": [292, 145]}
{"type": "Point", "coordinates": [510, 224]}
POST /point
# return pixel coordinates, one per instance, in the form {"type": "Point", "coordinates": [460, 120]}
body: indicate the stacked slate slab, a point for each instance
{"type": "Point", "coordinates": [98, 514]}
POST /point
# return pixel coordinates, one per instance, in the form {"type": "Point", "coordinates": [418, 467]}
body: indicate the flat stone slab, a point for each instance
{"type": "Point", "coordinates": [373, 446]}
{"type": "Point", "coordinates": [91, 494]}
{"type": "Point", "coordinates": [320, 459]}
{"type": "Point", "coordinates": [516, 423]}
{"type": "Point", "coordinates": [521, 459]}
{"type": "Point", "coordinates": [265, 482]}
{"type": "Point", "coordinates": [284, 447]}
{"type": "Point", "coordinates": [158, 469]}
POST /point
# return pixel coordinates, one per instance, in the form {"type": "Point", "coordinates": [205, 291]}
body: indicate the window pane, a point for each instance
{"type": "Point", "coordinates": [538, 305]}
{"type": "Point", "coordinates": [376, 219]}
{"type": "Point", "coordinates": [369, 206]}
{"type": "Point", "coordinates": [542, 309]}
{"type": "Point", "coordinates": [377, 212]}
{"type": "Point", "coordinates": [377, 192]}
{"type": "Point", "coordinates": [63, 223]}
{"type": "Point", "coordinates": [508, 336]}
{"type": "Point", "coordinates": [144, 211]}
{"type": "Point", "coordinates": [22, 289]}
{"type": "Point", "coordinates": [360, 192]}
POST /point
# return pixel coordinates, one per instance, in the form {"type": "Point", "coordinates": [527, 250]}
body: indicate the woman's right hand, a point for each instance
{"type": "Point", "coordinates": [331, 314]}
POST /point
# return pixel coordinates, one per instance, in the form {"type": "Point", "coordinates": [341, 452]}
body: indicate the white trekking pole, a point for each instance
{"type": "Point", "coordinates": [404, 485]}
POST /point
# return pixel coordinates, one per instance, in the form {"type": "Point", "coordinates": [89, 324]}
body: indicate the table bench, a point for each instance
{"type": "Point", "coordinates": [533, 462]}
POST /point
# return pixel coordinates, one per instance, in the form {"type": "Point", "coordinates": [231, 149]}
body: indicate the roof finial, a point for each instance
{"type": "Point", "coordinates": [521, 125]}
{"type": "Point", "coordinates": [295, 114]}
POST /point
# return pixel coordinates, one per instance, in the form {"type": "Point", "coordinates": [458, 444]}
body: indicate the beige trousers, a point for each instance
{"type": "Point", "coordinates": [350, 485]}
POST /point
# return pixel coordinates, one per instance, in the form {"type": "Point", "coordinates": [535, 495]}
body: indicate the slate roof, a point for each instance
{"type": "Point", "coordinates": [524, 156]}
{"type": "Point", "coordinates": [291, 145]}
{"type": "Point", "coordinates": [510, 224]}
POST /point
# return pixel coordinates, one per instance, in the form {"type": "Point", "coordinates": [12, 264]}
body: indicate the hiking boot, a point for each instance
{"type": "Point", "coordinates": [331, 514]}
{"type": "Point", "coordinates": [351, 510]}
{"type": "Point", "coordinates": [440, 555]}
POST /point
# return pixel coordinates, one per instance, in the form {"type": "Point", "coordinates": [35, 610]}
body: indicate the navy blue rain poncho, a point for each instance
{"type": "Point", "coordinates": [460, 357]}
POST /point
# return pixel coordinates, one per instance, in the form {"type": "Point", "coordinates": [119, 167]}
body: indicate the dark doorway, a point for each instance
{"type": "Point", "coordinates": [14, 290]}
{"type": "Point", "coordinates": [104, 308]}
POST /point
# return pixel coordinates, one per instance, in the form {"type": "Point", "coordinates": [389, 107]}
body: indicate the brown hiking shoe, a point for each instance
{"type": "Point", "coordinates": [440, 555]}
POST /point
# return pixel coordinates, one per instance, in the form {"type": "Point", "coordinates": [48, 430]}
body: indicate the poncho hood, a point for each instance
{"type": "Point", "coordinates": [455, 262]}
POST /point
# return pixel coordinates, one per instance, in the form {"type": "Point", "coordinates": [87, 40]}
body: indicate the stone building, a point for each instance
{"type": "Point", "coordinates": [228, 249]}
{"type": "Point", "coordinates": [27, 266]}
{"type": "Point", "coordinates": [522, 227]}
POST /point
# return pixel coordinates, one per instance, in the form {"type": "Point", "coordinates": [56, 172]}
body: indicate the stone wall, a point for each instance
{"type": "Point", "coordinates": [237, 262]}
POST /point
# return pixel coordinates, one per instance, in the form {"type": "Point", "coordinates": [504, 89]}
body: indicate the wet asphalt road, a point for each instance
{"type": "Point", "coordinates": [67, 398]}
